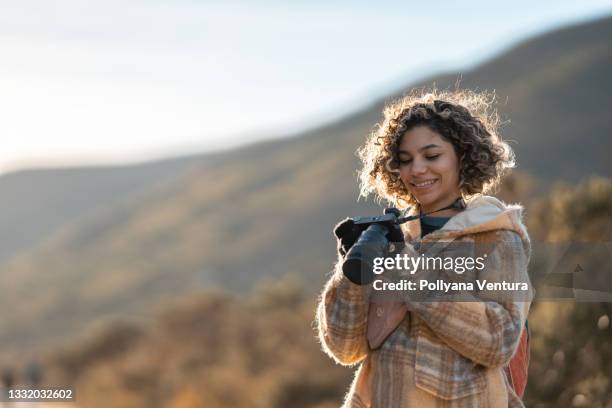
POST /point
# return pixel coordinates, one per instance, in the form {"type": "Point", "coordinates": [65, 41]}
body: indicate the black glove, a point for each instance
{"type": "Point", "coordinates": [346, 235]}
{"type": "Point", "coordinates": [395, 235]}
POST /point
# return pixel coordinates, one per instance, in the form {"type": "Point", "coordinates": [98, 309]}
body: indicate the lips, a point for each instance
{"type": "Point", "coordinates": [421, 185]}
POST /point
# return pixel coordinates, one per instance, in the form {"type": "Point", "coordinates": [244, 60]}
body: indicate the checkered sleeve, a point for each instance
{"type": "Point", "coordinates": [341, 319]}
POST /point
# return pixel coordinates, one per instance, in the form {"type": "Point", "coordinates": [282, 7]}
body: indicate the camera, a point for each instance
{"type": "Point", "coordinates": [380, 235]}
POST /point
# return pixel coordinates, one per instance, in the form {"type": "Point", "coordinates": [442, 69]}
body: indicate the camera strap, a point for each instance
{"type": "Point", "coordinates": [458, 204]}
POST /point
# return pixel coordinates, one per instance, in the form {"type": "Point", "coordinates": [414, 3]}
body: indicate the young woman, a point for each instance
{"type": "Point", "coordinates": [433, 150]}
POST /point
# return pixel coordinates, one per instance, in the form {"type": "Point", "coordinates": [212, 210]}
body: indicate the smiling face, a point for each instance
{"type": "Point", "coordinates": [429, 168]}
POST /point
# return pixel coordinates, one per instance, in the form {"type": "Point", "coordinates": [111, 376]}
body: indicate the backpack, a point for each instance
{"type": "Point", "coordinates": [518, 367]}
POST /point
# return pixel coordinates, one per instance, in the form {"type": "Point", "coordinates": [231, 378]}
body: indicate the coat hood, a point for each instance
{"type": "Point", "coordinates": [482, 214]}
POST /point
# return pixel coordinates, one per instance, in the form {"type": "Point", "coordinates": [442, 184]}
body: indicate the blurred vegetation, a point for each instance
{"type": "Point", "coordinates": [209, 350]}
{"type": "Point", "coordinates": [572, 341]}
{"type": "Point", "coordinates": [579, 212]}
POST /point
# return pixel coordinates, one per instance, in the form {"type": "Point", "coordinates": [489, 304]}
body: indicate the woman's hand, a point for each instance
{"type": "Point", "coordinates": [346, 233]}
{"type": "Point", "coordinates": [395, 235]}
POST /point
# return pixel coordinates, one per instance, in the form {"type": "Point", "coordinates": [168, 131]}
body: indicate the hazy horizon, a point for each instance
{"type": "Point", "coordinates": [116, 83]}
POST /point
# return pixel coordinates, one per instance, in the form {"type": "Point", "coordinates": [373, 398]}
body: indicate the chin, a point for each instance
{"type": "Point", "coordinates": [426, 200]}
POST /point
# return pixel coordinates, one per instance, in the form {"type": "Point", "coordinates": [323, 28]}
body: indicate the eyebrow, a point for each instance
{"type": "Point", "coordinates": [429, 146]}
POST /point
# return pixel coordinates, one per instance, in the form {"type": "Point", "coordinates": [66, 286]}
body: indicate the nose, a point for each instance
{"type": "Point", "coordinates": [419, 167]}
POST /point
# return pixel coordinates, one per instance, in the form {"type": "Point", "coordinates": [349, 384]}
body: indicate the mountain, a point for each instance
{"type": "Point", "coordinates": [261, 211]}
{"type": "Point", "coordinates": [33, 203]}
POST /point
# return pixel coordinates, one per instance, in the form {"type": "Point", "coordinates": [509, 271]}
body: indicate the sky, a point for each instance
{"type": "Point", "coordinates": [94, 82]}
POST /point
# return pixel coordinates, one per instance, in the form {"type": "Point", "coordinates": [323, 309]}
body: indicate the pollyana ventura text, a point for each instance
{"type": "Point", "coordinates": [442, 286]}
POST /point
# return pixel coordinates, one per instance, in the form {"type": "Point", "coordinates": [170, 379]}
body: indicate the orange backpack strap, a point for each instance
{"type": "Point", "coordinates": [518, 367]}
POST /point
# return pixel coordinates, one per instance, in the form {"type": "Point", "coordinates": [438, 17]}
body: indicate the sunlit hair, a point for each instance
{"type": "Point", "coordinates": [466, 119]}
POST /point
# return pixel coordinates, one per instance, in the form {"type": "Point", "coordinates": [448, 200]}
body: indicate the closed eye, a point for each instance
{"type": "Point", "coordinates": [430, 158]}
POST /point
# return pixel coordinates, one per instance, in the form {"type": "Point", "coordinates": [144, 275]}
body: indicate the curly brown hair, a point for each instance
{"type": "Point", "coordinates": [466, 119]}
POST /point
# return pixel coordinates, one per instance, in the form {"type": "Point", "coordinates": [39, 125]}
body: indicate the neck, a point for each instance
{"type": "Point", "coordinates": [444, 213]}
{"type": "Point", "coordinates": [441, 214]}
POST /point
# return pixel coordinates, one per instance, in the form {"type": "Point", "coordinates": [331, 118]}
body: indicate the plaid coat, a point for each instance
{"type": "Point", "coordinates": [433, 354]}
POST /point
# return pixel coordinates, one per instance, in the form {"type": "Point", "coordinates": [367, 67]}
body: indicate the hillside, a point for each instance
{"type": "Point", "coordinates": [34, 203]}
{"type": "Point", "coordinates": [267, 209]}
